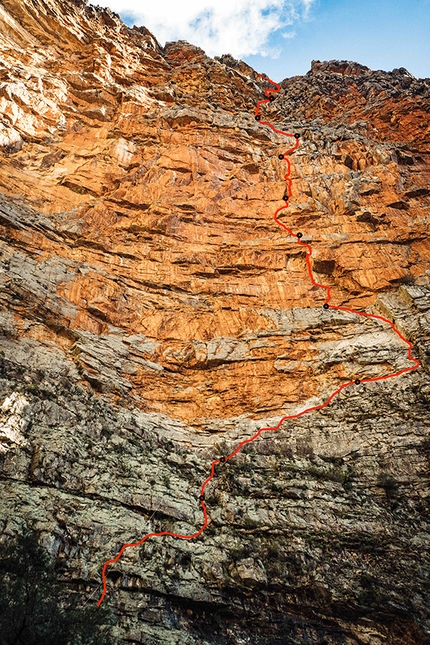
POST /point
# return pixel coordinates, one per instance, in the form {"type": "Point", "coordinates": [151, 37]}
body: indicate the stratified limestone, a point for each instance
{"type": "Point", "coordinates": [152, 314]}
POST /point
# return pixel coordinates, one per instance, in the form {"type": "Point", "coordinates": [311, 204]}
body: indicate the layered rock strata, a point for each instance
{"type": "Point", "coordinates": [152, 314]}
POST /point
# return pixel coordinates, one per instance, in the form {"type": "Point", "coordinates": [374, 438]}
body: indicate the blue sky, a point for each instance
{"type": "Point", "coordinates": [281, 37]}
{"type": "Point", "coordinates": [381, 35]}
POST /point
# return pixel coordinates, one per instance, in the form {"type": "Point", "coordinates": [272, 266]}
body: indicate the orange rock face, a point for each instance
{"type": "Point", "coordinates": [139, 192]}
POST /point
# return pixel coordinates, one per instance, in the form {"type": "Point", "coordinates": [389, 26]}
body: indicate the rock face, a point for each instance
{"type": "Point", "coordinates": [152, 314]}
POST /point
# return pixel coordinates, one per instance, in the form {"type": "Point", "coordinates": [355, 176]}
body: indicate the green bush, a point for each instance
{"type": "Point", "coordinates": [36, 609]}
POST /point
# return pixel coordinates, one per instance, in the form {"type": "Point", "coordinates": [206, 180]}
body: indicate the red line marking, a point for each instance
{"type": "Point", "coordinates": [268, 92]}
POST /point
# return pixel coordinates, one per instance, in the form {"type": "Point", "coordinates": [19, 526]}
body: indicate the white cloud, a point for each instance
{"type": "Point", "coordinates": [237, 27]}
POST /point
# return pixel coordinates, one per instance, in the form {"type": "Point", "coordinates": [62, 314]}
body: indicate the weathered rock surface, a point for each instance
{"type": "Point", "coordinates": [152, 313]}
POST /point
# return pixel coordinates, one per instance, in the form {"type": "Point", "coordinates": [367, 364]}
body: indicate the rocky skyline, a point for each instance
{"type": "Point", "coordinates": [153, 315]}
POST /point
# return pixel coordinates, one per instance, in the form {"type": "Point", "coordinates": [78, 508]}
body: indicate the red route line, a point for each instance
{"type": "Point", "coordinates": [268, 93]}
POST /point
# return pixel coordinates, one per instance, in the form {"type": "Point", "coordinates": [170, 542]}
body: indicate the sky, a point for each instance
{"type": "Point", "coordinates": [282, 37]}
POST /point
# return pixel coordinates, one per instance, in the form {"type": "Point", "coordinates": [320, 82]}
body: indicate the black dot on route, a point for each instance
{"type": "Point", "coordinates": [222, 459]}
{"type": "Point", "coordinates": [326, 306]}
{"type": "Point", "coordinates": [257, 117]}
{"type": "Point", "coordinates": [202, 498]}
{"type": "Point", "coordinates": [281, 157]}
{"type": "Point", "coordinates": [299, 235]}
{"type": "Point", "coordinates": [357, 381]}
{"type": "Point", "coordinates": [297, 135]}
{"type": "Point", "coordinates": [285, 197]}
{"type": "Point", "coordinates": [271, 98]}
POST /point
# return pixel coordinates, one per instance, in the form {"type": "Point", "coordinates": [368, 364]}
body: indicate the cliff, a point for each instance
{"type": "Point", "coordinates": [153, 315]}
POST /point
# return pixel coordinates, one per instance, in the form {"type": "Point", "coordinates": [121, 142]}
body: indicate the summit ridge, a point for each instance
{"type": "Point", "coordinates": [152, 316]}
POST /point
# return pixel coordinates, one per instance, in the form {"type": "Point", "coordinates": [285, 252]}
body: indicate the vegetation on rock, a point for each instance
{"type": "Point", "coordinates": [36, 609]}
